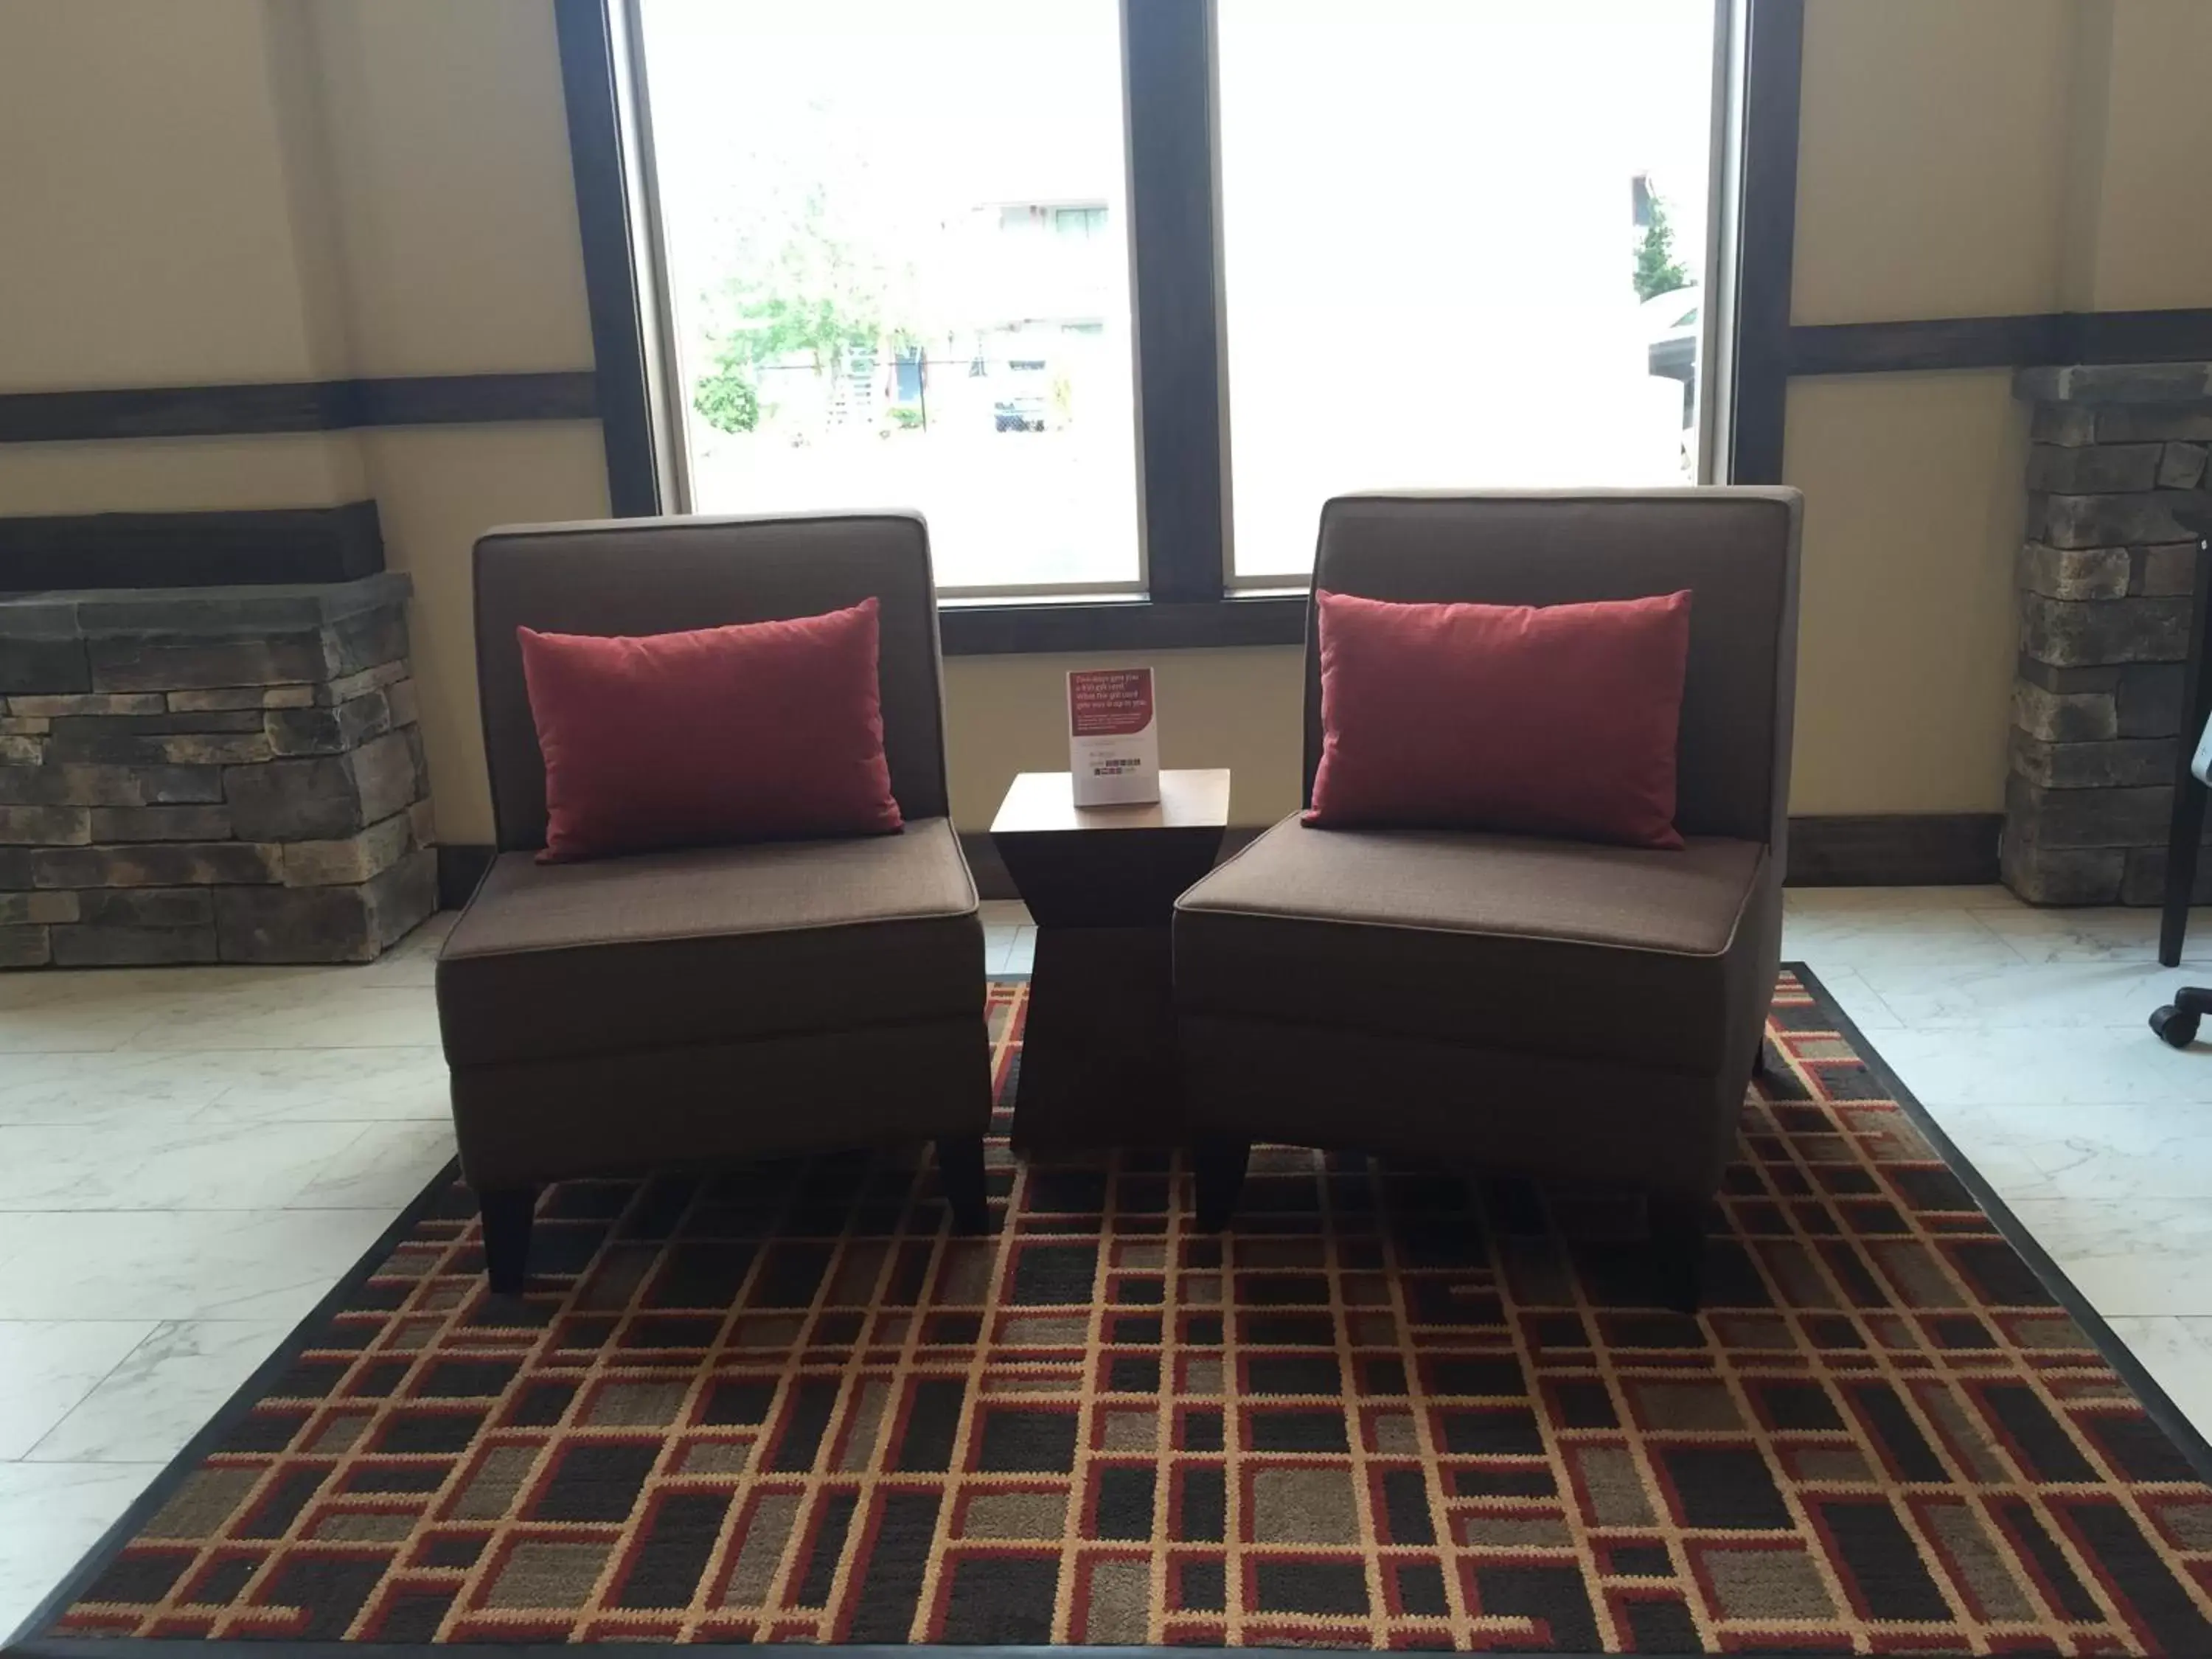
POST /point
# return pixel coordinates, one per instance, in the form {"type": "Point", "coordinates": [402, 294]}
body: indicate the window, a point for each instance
{"type": "Point", "coordinates": [1087, 223]}
{"type": "Point", "coordinates": [1435, 276]}
{"type": "Point", "coordinates": [1119, 291]}
{"type": "Point", "coordinates": [892, 276]}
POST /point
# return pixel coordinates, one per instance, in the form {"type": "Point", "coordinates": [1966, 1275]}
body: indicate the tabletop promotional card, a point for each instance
{"type": "Point", "coordinates": [1112, 736]}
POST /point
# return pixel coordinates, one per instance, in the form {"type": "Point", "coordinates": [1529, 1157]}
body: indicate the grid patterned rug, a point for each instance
{"type": "Point", "coordinates": [786, 1405]}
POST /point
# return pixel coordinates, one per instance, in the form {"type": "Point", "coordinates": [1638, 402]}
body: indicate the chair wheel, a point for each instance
{"type": "Point", "coordinates": [2176, 1029]}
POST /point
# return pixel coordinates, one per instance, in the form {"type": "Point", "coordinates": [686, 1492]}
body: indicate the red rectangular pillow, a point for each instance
{"type": "Point", "coordinates": [768, 730]}
{"type": "Point", "coordinates": [1559, 720]}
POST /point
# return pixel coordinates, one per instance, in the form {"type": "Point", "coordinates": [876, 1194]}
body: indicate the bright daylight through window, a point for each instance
{"type": "Point", "coordinates": [1460, 246]}
{"type": "Point", "coordinates": [1461, 242]}
{"type": "Point", "coordinates": [898, 256]}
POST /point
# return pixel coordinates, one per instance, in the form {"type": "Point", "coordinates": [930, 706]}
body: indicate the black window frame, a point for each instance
{"type": "Point", "coordinates": [1168, 63]}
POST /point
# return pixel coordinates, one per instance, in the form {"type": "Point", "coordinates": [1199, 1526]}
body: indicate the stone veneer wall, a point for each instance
{"type": "Point", "coordinates": [2116, 483]}
{"type": "Point", "coordinates": [210, 774]}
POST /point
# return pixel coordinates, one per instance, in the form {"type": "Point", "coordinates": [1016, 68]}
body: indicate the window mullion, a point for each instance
{"type": "Point", "coordinates": [1168, 54]}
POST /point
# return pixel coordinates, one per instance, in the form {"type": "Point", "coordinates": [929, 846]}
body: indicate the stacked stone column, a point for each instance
{"type": "Point", "coordinates": [2116, 482]}
{"type": "Point", "coordinates": [210, 774]}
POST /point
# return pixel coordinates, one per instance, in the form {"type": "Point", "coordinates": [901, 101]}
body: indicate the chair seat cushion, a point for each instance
{"type": "Point", "coordinates": [713, 945]}
{"type": "Point", "coordinates": [1501, 941]}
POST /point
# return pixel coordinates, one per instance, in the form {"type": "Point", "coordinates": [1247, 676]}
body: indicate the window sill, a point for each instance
{"type": "Point", "coordinates": [1006, 629]}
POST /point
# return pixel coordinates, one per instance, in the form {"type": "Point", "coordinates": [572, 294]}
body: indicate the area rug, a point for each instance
{"type": "Point", "coordinates": [788, 1405]}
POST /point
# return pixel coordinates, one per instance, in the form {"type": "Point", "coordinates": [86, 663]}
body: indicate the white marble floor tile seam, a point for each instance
{"type": "Point", "coordinates": [1850, 990]}
{"type": "Point", "coordinates": [172, 1264]}
{"type": "Point", "coordinates": [2123, 1150]}
{"type": "Point", "coordinates": [195, 1165]}
{"type": "Point", "coordinates": [49, 1367]}
{"type": "Point", "coordinates": [2029, 1065]}
{"type": "Point", "coordinates": [162, 1391]}
{"type": "Point", "coordinates": [2127, 1256]}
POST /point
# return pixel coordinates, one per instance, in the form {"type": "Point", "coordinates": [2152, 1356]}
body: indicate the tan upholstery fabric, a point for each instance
{"type": "Point", "coordinates": [1474, 938]}
{"type": "Point", "coordinates": [659, 576]}
{"type": "Point", "coordinates": [712, 946]}
{"type": "Point", "coordinates": [1735, 549]}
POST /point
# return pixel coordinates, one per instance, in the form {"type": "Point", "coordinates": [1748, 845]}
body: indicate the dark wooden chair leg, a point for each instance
{"type": "Point", "coordinates": [960, 1170]}
{"type": "Point", "coordinates": [506, 1215]}
{"type": "Point", "coordinates": [1220, 1165]}
{"type": "Point", "coordinates": [1678, 1243]}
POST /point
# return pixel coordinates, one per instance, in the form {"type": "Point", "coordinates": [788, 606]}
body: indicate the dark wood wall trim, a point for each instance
{"type": "Point", "coordinates": [596, 160]}
{"type": "Point", "coordinates": [986, 630]}
{"type": "Point", "coordinates": [1895, 850]}
{"type": "Point", "coordinates": [1939, 342]}
{"type": "Point", "coordinates": [2049, 337]}
{"type": "Point", "coordinates": [1767, 237]}
{"type": "Point", "coordinates": [247, 409]}
{"type": "Point", "coordinates": [1168, 52]}
{"type": "Point", "coordinates": [191, 550]}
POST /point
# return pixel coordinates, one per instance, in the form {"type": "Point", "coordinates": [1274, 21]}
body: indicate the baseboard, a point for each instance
{"type": "Point", "coordinates": [1901, 849]}
{"type": "Point", "coordinates": [1894, 849]}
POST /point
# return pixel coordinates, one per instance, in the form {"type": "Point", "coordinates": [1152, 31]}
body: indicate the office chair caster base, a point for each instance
{"type": "Point", "coordinates": [2176, 1023]}
{"type": "Point", "coordinates": [2175, 1028]}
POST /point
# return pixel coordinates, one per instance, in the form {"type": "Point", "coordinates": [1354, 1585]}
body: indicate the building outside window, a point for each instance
{"type": "Point", "coordinates": [1459, 245]}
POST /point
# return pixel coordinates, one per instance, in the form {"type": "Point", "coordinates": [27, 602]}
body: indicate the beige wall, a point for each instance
{"type": "Point", "coordinates": [436, 489]}
{"type": "Point", "coordinates": [1964, 158]}
{"type": "Point", "coordinates": [1937, 149]}
{"type": "Point", "coordinates": [1239, 708]}
{"type": "Point", "coordinates": [143, 201]}
{"type": "Point", "coordinates": [2146, 240]}
{"type": "Point", "coordinates": [455, 221]}
{"type": "Point", "coordinates": [242, 190]}
{"type": "Point", "coordinates": [1931, 158]}
{"type": "Point", "coordinates": [448, 150]}
{"type": "Point", "coordinates": [284, 190]}
{"type": "Point", "coordinates": [1914, 510]}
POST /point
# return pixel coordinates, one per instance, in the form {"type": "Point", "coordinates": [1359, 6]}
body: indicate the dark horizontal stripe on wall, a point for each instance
{"type": "Point", "coordinates": [214, 412]}
{"type": "Point", "coordinates": [1894, 849]}
{"type": "Point", "coordinates": [191, 550]}
{"type": "Point", "coordinates": [1120, 625]}
{"type": "Point", "coordinates": [2138, 336]}
{"type": "Point", "coordinates": [1941, 343]}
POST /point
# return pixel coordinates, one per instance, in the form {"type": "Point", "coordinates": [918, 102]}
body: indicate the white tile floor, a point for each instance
{"type": "Point", "coordinates": [190, 1156]}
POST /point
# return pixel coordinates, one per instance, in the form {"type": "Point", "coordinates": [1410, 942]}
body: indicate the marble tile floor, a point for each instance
{"type": "Point", "coordinates": [190, 1156]}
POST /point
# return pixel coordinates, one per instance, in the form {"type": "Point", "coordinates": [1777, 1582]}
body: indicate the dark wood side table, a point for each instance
{"type": "Point", "coordinates": [1098, 1053]}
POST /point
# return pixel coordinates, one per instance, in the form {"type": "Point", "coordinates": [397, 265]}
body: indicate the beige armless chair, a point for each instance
{"type": "Point", "coordinates": [686, 1009]}
{"type": "Point", "coordinates": [1514, 1003]}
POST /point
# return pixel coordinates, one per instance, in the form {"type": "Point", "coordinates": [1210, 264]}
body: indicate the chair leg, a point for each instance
{"type": "Point", "coordinates": [506, 1214]}
{"type": "Point", "coordinates": [1678, 1241]}
{"type": "Point", "coordinates": [1220, 1178]}
{"type": "Point", "coordinates": [960, 1170]}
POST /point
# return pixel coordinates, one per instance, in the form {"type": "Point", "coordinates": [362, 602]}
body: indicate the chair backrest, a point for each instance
{"type": "Point", "coordinates": [1735, 549]}
{"type": "Point", "coordinates": [662, 575]}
